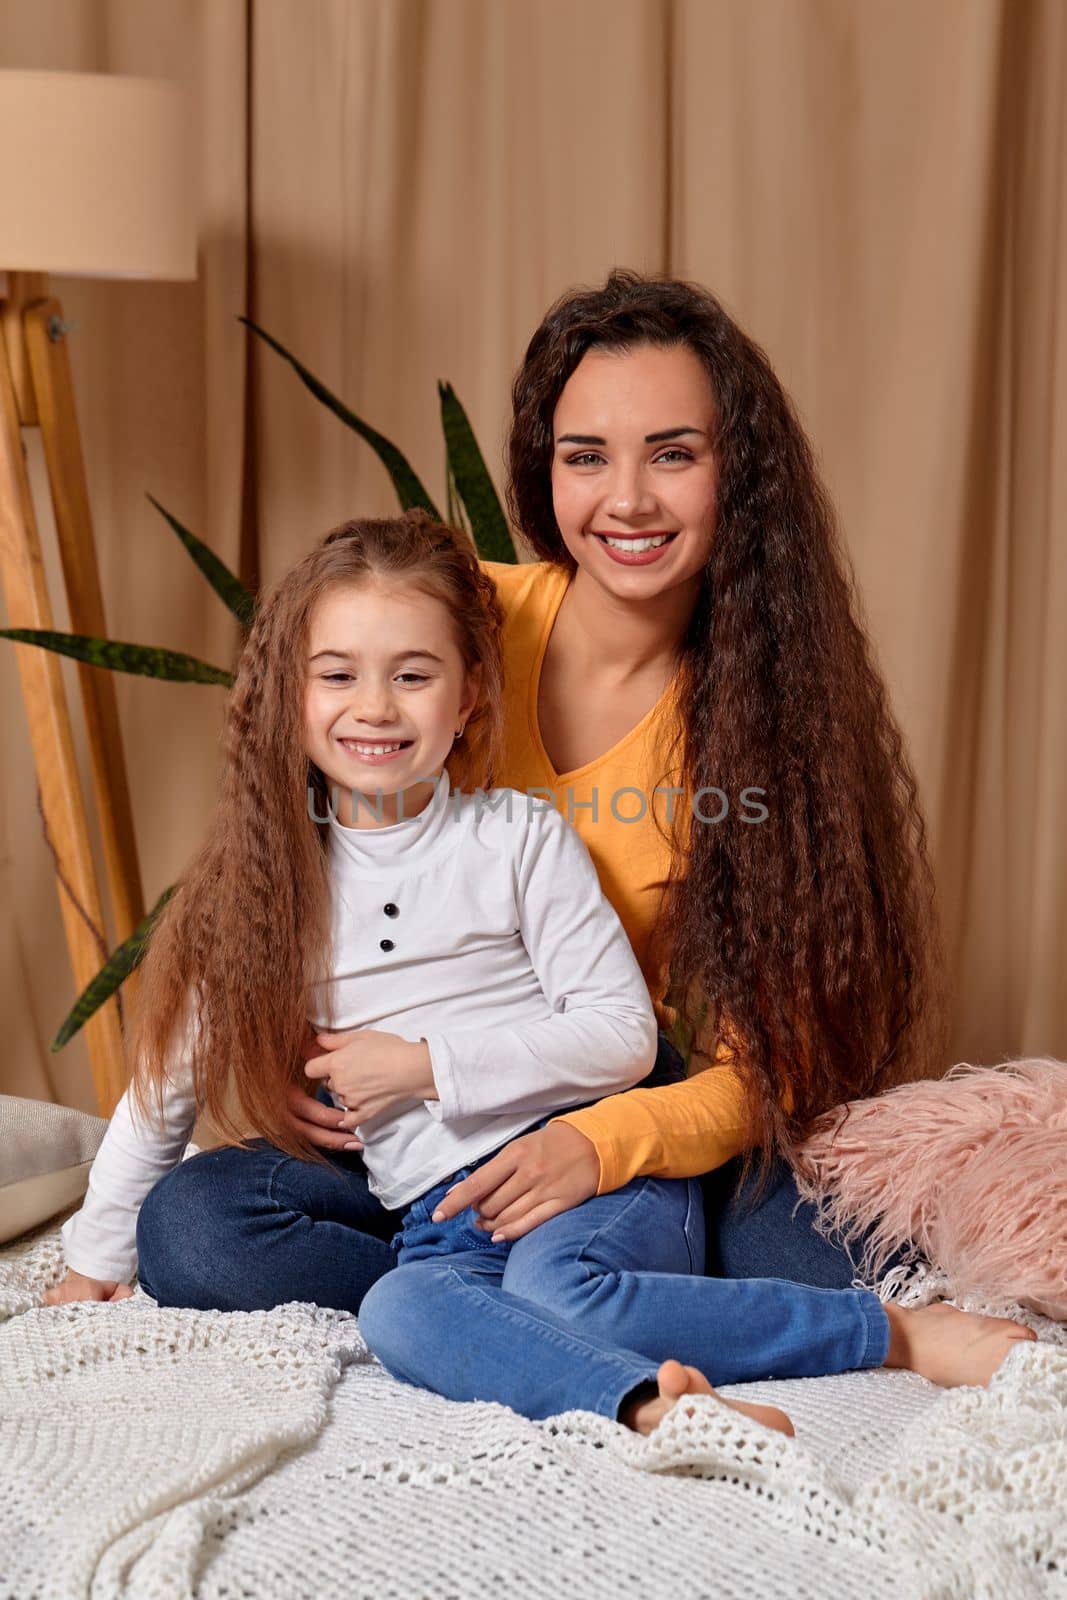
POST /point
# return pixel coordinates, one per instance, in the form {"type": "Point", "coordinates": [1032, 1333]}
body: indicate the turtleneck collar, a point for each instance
{"type": "Point", "coordinates": [398, 844]}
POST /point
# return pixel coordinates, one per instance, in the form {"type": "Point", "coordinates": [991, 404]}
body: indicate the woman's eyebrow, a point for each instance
{"type": "Point", "coordinates": [672, 433]}
{"type": "Point", "coordinates": [650, 438]}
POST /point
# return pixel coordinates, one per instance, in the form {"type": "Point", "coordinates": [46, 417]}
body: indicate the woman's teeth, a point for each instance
{"type": "Point", "coordinates": [636, 546]}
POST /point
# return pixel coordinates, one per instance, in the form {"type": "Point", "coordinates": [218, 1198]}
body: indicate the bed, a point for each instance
{"type": "Point", "coordinates": [157, 1452]}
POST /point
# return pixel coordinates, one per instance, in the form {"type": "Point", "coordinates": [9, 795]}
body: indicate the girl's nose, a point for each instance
{"type": "Point", "coordinates": [373, 705]}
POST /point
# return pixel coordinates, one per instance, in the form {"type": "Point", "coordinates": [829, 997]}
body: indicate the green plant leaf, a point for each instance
{"type": "Point", "coordinates": [406, 481]}
{"type": "Point", "coordinates": [143, 659]}
{"type": "Point", "coordinates": [112, 975]}
{"type": "Point", "coordinates": [457, 511]}
{"type": "Point", "coordinates": [489, 525]}
{"type": "Point", "coordinates": [453, 503]}
{"type": "Point", "coordinates": [230, 590]}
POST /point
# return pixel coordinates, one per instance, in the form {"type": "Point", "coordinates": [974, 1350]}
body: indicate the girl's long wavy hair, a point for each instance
{"type": "Point", "coordinates": [811, 937]}
{"type": "Point", "coordinates": [231, 959]}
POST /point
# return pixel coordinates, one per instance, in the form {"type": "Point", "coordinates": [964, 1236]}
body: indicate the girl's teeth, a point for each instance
{"type": "Point", "coordinates": [371, 749]}
{"type": "Point", "coordinates": [637, 545]}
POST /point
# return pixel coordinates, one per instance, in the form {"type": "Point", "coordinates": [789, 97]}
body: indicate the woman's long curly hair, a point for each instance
{"type": "Point", "coordinates": [812, 937]}
{"type": "Point", "coordinates": [227, 973]}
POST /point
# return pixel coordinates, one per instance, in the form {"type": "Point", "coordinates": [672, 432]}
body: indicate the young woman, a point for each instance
{"type": "Point", "coordinates": [688, 625]}
{"type": "Point", "coordinates": [474, 979]}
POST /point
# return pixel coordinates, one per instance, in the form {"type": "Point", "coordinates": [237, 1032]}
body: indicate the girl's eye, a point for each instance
{"type": "Point", "coordinates": [680, 455]}
{"type": "Point", "coordinates": [346, 677]}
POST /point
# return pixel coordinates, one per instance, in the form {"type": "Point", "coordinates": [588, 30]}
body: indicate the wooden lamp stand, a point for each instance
{"type": "Point", "coordinates": [97, 177]}
{"type": "Point", "coordinates": [36, 391]}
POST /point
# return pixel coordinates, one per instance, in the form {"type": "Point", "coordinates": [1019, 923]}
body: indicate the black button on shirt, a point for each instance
{"type": "Point", "coordinates": [391, 910]}
{"type": "Point", "coordinates": [386, 944]}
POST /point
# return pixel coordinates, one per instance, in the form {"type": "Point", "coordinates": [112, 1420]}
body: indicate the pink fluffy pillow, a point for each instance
{"type": "Point", "coordinates": [971, 1169]}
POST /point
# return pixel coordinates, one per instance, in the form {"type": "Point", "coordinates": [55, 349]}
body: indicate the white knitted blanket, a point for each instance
{"type": "Point", "coordinates": [150, 1452]}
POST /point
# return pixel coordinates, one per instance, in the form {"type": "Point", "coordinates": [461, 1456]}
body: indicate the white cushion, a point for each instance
{"type": "Point", "coordinates": [46, 1151]}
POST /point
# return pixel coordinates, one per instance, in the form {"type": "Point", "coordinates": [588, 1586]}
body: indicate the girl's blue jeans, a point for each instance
{"type": "Point", "coordinates": [574, 1315]}
{"type": "Point", "coordinates": [579, 1313]}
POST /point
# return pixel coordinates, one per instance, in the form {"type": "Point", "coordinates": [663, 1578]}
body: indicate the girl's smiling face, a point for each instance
{"type": "Point", "coordinates": [386, 691]}
{"type": "Point", "coordinates": [633, 462]}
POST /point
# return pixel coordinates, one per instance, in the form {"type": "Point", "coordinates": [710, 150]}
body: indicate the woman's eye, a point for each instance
{"type": "Point", "coordinates": [590, 457]}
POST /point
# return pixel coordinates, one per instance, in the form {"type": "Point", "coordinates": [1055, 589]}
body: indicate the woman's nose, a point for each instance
{"type": "Point", "coordinates": [628, 495]}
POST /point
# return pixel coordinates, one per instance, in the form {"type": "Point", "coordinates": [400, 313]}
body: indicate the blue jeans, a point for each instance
{"type": "Point", "coordinates": [244, 1230]}
{"type": "Point", "coordinates": [579, 1312]}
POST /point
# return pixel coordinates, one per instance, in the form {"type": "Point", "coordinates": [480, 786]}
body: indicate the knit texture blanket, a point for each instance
{"type": "Point", "coordinates": [153, 1453]}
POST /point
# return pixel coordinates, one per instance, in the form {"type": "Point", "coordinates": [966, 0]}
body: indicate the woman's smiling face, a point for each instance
{"type": "Point", "coordinates": [633, 461]}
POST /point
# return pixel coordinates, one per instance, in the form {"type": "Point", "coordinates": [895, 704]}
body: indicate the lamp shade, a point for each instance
{"type": "Point", "coordinates": [96, 176]}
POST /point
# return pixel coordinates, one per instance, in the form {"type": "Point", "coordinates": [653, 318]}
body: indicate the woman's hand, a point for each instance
{"type": "Point", "coordinates": [76, 1286]}
{"type": "Point", "coordinates": [372, 1073]}
{"type": "Point", "coordinates": [309, 1117]}
{"type": "Point", "coordinates": [319, 1124]}
{"type": "Point", "coordinates": [533, 1178]}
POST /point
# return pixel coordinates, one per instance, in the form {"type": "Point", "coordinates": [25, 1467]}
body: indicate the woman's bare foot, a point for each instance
{"type": "Point", "coordinates": [675, 1382]}
{"type": "Point", "coordinates": [949, 1346]}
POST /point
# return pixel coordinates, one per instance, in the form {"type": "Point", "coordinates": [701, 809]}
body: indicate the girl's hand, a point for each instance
{"type": "Point", "coordinates": [533, 1178]}
{"type": "Point", "coordinates": [76, 1286]}
{"type": "Point", "coordinates": [372, 1072]}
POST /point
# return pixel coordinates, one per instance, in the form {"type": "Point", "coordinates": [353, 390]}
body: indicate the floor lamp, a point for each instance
{"type": "Point", "coordinates": [95, 180]}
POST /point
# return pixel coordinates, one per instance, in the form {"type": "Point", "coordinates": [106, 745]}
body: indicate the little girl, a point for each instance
{"type": "Point", "coordinates": [474, 980]}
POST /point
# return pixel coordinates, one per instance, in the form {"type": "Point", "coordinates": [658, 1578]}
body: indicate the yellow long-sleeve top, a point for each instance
{"type": "Point", "coordinates": [685, 1128]}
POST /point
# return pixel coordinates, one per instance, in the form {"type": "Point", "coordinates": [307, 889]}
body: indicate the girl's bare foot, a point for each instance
{"type": "Point", "coordinates": [675, 1382]}
{"type": "Point", "coordinates": [950, 1346]}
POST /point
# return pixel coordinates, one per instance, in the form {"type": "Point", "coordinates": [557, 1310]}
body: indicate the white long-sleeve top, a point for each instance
{"type": "Point", "coordinates": [478, 925]}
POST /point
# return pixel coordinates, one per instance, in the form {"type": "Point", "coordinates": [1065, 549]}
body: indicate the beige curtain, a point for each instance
{"type": "Point", "coordinates": [397, 189]}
